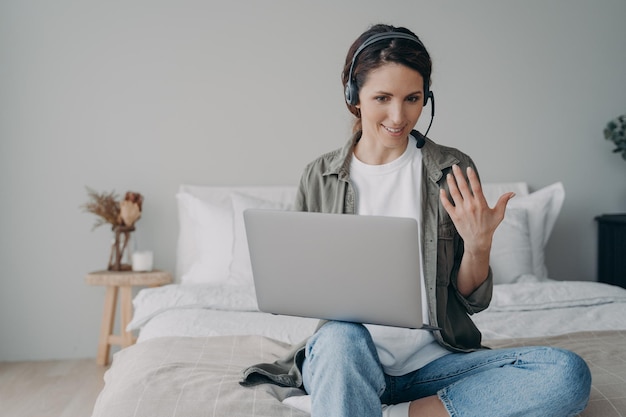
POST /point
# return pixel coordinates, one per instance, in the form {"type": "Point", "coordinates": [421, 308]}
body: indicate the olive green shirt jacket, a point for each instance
{"type": "Point", "coordinates": [325, 187]}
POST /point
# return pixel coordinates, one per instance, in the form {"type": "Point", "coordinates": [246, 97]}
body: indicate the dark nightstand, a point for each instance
{"type": "Point", "coordinates": [612, 249]}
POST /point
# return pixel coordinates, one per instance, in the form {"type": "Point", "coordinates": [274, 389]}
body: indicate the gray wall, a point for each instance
{"type": "Point", "coordinates": [146, 95]}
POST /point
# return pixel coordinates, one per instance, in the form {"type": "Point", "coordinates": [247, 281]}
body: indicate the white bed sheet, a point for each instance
{"type": "Point", "coordinates": [531, 308]}
{"type": "Point", "coordinates": [199, 322]}
{"type": "Point", "coordinates": [211, 310]}
{"type": "Point", "coordinates": [523, 309]}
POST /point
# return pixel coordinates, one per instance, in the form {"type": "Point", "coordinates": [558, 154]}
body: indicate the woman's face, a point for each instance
{"type": "Point", "coordinates": [391, 102]}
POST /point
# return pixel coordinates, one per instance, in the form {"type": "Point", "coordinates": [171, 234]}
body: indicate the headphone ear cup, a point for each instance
{"type": "Point", "coordinates": [427, 94]}
{"type": "Point", "coordinates": [352, 96]}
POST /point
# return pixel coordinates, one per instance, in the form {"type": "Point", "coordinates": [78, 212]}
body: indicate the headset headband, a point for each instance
{"type": "Point", "coordinates": [382, 36]}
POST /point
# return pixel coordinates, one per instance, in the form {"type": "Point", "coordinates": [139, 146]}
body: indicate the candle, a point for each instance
{"type": "Point", "coordinates": [142, 261]}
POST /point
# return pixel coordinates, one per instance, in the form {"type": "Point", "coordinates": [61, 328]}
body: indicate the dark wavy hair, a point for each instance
{"type": "Point", "coordinates": [399, 51]}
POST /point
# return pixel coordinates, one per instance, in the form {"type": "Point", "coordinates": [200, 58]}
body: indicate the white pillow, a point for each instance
{"type": "Point", "coordinates": [205, 239]}
{"type": "Point", "coordinates": [240, 267]}
{"type": "Point", "coordinates": [208, 251]}
{"type": "Point", "coordinates": [206, 229]}
{"type": "Point", "coordinates": [542, 208]}
{"type": "Point", "coordinates": [511, 251]}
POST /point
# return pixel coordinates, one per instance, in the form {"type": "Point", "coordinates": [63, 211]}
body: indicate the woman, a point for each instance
{"type": "Point", "coordinates": [387, 168]}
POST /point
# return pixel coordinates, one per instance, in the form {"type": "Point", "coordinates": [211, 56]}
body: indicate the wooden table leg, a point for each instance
{"type": "Point", "coordinates": [126, 313]}
{"type": "Point", "coordinates": [106, 328]}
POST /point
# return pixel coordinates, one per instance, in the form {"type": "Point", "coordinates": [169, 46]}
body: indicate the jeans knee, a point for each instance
{"type": "Point", "coordinates": [340, 336]}
{"type": "Point", "coordinates": [572, 377]}
{"type": "Point", "coordinates": [340, 343]}
{"type": "Point", "coordinates": [345, 353]}
{"type": "Point", "coordinates": [578, 370]}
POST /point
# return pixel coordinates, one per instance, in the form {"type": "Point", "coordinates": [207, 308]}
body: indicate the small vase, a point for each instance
{"type": "Point", "coordinates": [120, 257]}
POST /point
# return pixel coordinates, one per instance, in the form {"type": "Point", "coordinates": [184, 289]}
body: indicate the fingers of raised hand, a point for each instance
{"type": "Point", "coordinates": [454, 181]}
{"type": "Point", "coordinates": [460, 187]}
{"type": "Point", "coordinates": [461, 182]}
{"type": "Point", "coordinates": [474, 182]}
{"type": "Point", "coordinates": [503, 201]}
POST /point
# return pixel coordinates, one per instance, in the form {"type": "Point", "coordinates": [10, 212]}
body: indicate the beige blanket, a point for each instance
{"type": "Point", "coordinates": [193, 377]}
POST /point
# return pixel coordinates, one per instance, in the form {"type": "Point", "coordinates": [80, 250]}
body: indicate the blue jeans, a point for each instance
{"type": "Point", "coordinates": [344, 377]}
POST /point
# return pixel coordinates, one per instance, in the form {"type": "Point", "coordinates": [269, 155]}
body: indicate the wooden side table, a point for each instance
{"type": "Point", "coordinates": [120, 282]}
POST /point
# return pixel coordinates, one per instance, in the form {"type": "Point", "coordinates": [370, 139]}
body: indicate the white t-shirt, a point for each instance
{"type": "Point", "coordinates": [393, 189]}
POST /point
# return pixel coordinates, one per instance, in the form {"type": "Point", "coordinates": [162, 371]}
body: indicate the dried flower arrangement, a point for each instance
{"type": "Point", "coordinates": [615, 131]}
{"type": "Point", "coordinates": [121, 215]}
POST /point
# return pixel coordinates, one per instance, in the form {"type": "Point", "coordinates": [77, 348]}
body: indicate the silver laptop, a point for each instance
{"type": "Point", "coordinates": [362, 269]}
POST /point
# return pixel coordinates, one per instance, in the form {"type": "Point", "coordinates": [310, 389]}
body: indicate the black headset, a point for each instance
{"type": "Point", "coordinates": [352, 91]}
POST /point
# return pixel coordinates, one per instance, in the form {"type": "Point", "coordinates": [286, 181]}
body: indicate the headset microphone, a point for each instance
{"type": "Point", "coordinates": [419, 138]}
{"type": "Point", "coordinates": [432, 113]}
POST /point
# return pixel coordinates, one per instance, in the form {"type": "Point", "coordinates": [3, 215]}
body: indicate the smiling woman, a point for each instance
{"type": "Point", "coordinates": [389, 169]}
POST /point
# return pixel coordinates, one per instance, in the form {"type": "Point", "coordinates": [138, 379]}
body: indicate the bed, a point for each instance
{"type": "Point", "coordinates": [196, 336]}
